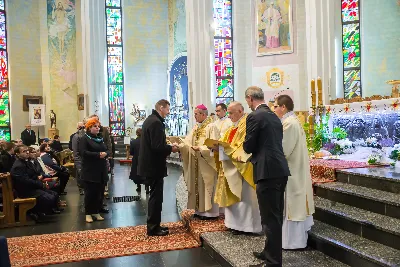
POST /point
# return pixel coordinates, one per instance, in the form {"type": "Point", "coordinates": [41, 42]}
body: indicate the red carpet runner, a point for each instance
{"type": "Point", "coordinates": [58, 248]}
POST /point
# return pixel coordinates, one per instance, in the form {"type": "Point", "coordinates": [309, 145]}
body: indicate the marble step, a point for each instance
{"type": "Point", "coordinates": [351, 249]}
{"type": "Point", "coordinates": [381, 178]}
{"type": "Point", "coordinates": [237, 250]}
{"type": "Point", "coordinates": [373, 226]}
{"type": "Point", "coordinates": [373, 200]}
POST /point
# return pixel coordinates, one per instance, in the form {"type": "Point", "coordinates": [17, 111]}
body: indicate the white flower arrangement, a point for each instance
{"type": "Point", "coordinates": [374, 158]}
{"type": "Point", "coordinates": [345, 145]}
{"type": "Point", "coordinates": [359, 142]}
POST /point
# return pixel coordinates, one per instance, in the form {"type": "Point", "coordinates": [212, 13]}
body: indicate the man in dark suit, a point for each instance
{"type": "Point", "coordinates": [264, 133]}
{"type": "Point", "coordinates": [7, 157]}
{"type": "Point", "coordinates": [134, 152]}
{"type": "Point", "coordinates": [28, 136]}
{"type": "Point", "coordinates": [152, 164]}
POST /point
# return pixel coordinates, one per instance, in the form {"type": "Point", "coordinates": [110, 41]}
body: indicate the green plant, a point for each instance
{"type": "Point", "coordinates": [339, 133]}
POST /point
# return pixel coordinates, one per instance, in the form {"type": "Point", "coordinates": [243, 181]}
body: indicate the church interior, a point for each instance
{"type": "Point", "coordinates": [68, 63]}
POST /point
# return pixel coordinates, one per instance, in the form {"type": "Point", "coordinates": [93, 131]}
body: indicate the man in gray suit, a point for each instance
{"type": "Point", "coordinates": [264, 134]}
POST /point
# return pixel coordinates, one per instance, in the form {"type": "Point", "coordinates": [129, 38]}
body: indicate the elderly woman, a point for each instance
{"type": "Point", "coordinates": [94, 169]}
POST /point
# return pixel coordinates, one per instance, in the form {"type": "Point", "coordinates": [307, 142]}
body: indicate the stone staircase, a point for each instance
{"type": "Point", "coordinates": [357, 219]}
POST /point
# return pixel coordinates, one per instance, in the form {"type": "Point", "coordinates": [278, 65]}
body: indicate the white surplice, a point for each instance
{"type": "Point", "coordinates": [299, 201]}
{"type": "Point", "coordinates": [245, 215]}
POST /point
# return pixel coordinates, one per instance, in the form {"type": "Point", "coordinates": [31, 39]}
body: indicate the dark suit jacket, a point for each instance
{"type": "Point", "coordinates": [28, 139]}
{"type": "Point", "coordinates": [7, 161]}
{"type": "Point", "coordinates": [56, 146]}
{"type": "Point", "coordinates": [264, 134]}
{"type": "Point", "coordinates": [25, 182]}
{"type": "Point", "coordinates": [134, 151]}
{"type": "Point", "coordinates": [48, 161]}
{"type": "Point", "coordinates": [153, 148]}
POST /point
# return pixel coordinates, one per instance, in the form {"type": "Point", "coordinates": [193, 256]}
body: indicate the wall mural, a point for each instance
{"type": "Point", "coordinates": [178, 121]}
{"type": "Point", "coordinates": [62, 43]}
{"type": "Point", "coordinates": [274, 25]}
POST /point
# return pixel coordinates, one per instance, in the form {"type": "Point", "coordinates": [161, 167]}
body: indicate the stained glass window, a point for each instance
{"type": "Point", "coordinates": [115, 67]}
{"type": "Point", "coordinates": [223, 51]}
{"type": "Point", "coordinates": [5, 131]}
{"type": "Point", "coordinates": [351, 48]}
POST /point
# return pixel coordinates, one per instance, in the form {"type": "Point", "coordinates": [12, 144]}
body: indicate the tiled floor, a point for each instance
{"type": "Point", "coordinates": [121, 214]}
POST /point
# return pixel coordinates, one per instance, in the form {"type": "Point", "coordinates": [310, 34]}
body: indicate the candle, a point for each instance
{"type": "Point", "coordinates": [311, 124]}
{"type": "Point", "coordinates": [319, 86]}
{"type": "Point", "coordinates": [313, 93]}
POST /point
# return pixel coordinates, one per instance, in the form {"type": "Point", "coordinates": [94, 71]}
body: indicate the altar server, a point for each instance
{"type": "Point", "coordinates": [223, 122]}
{"type": "Point", "coordinates": [299, 202]}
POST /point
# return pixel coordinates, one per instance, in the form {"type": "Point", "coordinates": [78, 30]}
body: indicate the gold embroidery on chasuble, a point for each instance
{"type": "Point", "coordinates": [198, 133]}
{"type": "Point", "coordinates": [224, 196]}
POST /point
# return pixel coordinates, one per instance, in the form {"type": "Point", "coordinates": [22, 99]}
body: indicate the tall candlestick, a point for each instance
{"type": "Point", "coordinates": [319, 86]}
{"type": "Point", "coordinates": [313, 100]}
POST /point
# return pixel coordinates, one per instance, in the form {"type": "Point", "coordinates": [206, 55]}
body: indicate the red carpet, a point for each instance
{"type": "Point", "coordinates": [197, 227]}
{"type": "Point", "coordinates": [59, 248]}
{"type": "Point", "coordinates": [42, 250]}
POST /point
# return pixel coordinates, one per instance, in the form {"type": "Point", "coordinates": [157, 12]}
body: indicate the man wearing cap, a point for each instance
{"type": "Point", "coordinates": [199, 166]}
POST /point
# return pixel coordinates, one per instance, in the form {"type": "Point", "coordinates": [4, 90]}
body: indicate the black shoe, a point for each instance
{"type": "Point", "coordinates": [164, 228]}
{"type": "Point", "coordinates": [157, 232]}
{"type": "Point", "coordinates": [103, 210]}
{"type": "Point", "coordinates": [260, 256]}
{"type": "Point", "coordinates": [60, 209]}
{"type": "Point", "coordinates": [34, 216]}
{"type": "Point", "coordinates": [81, 192]}
{"type": "Point", "coordinates": [63, 193]}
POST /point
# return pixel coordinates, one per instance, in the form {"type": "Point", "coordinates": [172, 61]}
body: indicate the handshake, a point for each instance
{"type": "Point", "coordinates": [175, 148]}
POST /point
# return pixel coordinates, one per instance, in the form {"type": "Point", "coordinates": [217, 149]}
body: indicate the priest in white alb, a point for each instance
{"type": "Point", "coordinates": [223, 122]}
{"type": "Point", "coordinates": [299, 201]}
{"type": "Point", "coordinates": [235, 187]}
{"type": "Point", "coordinates": [199, 166]}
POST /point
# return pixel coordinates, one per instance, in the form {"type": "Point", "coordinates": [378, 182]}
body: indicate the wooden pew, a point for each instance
{"type": "Point", "coordinates": [9, 204]}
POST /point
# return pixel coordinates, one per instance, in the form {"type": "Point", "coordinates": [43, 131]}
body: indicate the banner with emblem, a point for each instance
{"type": "Point", "coordinates": [37, 114]}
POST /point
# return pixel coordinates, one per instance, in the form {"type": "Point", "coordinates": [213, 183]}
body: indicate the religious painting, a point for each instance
{"type": "Point", "coordinates": [178, 120]}
{"type": "Point", "coordinates": [274, 27]}
{"type": "Point", "coordinates": [37, 114]}
{"type": "Point", "coordinates": [29, 99]}
{"type": "Point", "coordinates": [81, 102]}
{"type": "Point", "coordinates": [62, 43]}
{"type": "Point", "coordinates": [275, 77]}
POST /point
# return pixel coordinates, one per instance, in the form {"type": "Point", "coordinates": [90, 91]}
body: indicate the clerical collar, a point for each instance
{"type": "Point", "coordinates": [287, 115]}
{"type": "Point", "coordinates": [235, 124]}
{"type": "Point", "coordinates": [223, 118]}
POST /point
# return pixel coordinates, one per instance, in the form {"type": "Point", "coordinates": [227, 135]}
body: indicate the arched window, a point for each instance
{"type": "Point", "coordinates": [351, 48]}
{"type": "Point", "coordinates": [223, 42]}
{"type": "Point", "coordinates": [115, 67]}
{"type": "Point", "coordinates": [5, 131]}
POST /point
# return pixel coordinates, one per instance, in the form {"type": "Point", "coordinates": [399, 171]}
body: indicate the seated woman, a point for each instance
{"type": "Point", "coordinates": [27, 185]}
{"type": "Point", "coordinates": [50, 162]}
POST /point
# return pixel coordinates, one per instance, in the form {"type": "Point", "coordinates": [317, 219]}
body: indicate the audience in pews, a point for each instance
{"type": "Point", "coordinates": [52, 162]}
{"type": "Point", "coordinates": [28, 184]}
{"type": "Point", "coordinates": [94, 153]}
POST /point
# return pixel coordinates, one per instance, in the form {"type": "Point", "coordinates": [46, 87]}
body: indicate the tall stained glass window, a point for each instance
{"type": "Point", "coordinates": [115, 72]}
{"type": "Point", "coordinates": [351, 48]}
{"type": "Point", "coordinates": [223, 50]}
{"type": "Point", "coordinates": [5, 131]}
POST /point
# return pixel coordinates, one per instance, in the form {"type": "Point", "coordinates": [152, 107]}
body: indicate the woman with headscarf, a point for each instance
{"type": "Point", "coordinates": [94, 169]}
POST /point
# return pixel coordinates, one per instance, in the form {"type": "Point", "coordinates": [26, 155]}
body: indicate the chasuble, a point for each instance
{"type": "Point", "coordinates": [199, 167]}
